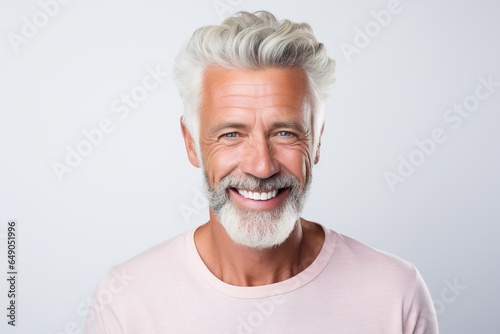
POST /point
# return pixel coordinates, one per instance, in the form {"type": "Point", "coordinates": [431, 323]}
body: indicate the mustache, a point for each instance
{"type": "Point", "coordinates": [252, 183]}
{"type": "Point", "coordinates": [217, 197]}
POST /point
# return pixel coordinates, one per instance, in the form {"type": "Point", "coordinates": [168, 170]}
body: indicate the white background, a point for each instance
{"type": "Point", "coordinates": [136, 188]}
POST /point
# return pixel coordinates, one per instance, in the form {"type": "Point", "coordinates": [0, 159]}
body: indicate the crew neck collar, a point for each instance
{"type": "Point", "coordinates": [268, 290]}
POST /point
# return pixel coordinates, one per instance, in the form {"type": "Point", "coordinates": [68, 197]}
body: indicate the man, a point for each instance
{"type": "Point", "coordinates": [254, 91]}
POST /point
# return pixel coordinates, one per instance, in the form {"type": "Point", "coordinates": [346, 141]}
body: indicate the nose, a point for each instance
{"type": "Point", "coordinates": [259, 159]}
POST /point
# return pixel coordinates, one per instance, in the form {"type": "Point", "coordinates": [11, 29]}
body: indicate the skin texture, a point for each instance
{"type": "Point", "coordinates": [253, 122]}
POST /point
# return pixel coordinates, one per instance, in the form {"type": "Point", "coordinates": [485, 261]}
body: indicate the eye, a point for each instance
{"type": "Point", "coordinates": [230, 135]}
{"type": "Point", "coordinates": [284, 134]}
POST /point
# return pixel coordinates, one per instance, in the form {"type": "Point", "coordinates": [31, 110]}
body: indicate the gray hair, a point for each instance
{"type": "Point", "coordinates": [254, 41]}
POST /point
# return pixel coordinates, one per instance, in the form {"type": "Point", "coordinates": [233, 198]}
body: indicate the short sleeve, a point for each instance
{"type": "Point", "coordinates": [421, 316]}
{"type": "Point", "coordinates": [103, 315]}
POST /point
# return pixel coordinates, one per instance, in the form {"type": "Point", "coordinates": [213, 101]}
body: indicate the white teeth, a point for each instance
{"type": "Point", "coordinates": [257, 195]}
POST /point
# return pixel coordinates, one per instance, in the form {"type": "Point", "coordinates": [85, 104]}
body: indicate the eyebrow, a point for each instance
{"type": "Point", "coordinates": [226, 125]}
{"type": "Point", "coordinates": [289, 125]}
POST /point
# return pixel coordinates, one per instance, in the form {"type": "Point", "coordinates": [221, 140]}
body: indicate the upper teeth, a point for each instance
{"type": "Point", "coordinates": [258, 196]}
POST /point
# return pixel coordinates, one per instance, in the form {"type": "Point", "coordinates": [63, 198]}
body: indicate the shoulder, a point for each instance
{"type": "Point", "coordinates": [163, 253]}
{"type": "Point", "coordinates": [154, 264]}
{"type": "Point", "coordinates": [137, 285]}
{"type": "Point", "coordinates": [373, 268]}
{"type": "Point", "coordinates": [378, 283]}
{"type": "Point", "coordinates": [357, 253]}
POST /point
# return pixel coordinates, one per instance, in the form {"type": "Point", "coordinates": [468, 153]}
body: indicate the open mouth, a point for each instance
{"type": "Point", "coordinates": [259, 195]}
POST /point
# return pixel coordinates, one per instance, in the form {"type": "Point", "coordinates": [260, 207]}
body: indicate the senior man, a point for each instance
{"type": "Point", "coordinates": [254, 91]}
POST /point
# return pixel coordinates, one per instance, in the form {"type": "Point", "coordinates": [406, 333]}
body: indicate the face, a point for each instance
{"type": "Point", "coordinates": [256, 144]}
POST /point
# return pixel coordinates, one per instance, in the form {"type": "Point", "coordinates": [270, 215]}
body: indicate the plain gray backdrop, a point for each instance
{"type": "Point", "coordinates": [409, 160]}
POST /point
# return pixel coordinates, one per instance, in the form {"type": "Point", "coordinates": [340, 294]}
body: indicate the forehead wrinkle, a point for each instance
{"type": "Point", "coordinates": [235, 92]}
{"type": "Point", "coordinates": [258, 86]}
{"type": "Point", "coordinates": [233, 85]}
{"type": "Point", "coordinates": [258, 89]}
{"type": "Point", "coordinates": [256, 105]}
{"type": "Point", "coordinates": [260, 102]}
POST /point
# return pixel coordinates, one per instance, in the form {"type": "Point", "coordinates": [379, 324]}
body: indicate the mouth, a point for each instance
{"type": "Point", "coordinates": [259, 195]}
{"type": "Point", "coordinates": [258, 200]}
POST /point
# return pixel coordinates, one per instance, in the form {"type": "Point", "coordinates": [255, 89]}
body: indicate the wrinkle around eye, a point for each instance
{"type": "Point", "coordinates": [229, 138]}
{"type": "Point", "coordinates": [286, 137]}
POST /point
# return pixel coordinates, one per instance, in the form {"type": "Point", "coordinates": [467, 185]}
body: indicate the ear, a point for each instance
{"type": "Point", "coordinates": [318, 149]}
{"type": "Point", "coordinates": [190, 146]}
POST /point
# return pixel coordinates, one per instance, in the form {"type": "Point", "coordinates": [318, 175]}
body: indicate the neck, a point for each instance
{"type": "Point", "coordinates": [243, 266]}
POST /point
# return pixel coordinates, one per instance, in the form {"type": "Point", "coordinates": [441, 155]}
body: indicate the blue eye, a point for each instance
{"type": "Point", "coordinates": [231, 135]}
{"type": "Point", "coordinates": [284, 133]}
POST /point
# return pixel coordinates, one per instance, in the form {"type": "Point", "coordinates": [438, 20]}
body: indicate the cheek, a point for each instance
{"type": "Point", "coordinates": [219, 162]}
{"type": "Point", "coordinates": [296, 161]}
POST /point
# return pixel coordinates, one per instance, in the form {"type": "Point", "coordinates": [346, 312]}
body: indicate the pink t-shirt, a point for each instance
{"type": "Point", "coordinates": [348, 288]}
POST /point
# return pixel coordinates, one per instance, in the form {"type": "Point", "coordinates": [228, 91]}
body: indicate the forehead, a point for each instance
{"type": "Point", "coordinates": [253, 89]}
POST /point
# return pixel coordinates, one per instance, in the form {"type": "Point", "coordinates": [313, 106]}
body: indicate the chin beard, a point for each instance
{"type": "Point", "coordinates": [252, 228]}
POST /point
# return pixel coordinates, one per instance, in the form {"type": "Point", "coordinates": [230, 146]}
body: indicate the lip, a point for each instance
{"type": "Point", "coordinates": [259, 205]}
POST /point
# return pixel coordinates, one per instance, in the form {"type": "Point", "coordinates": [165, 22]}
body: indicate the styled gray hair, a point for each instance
{"type": "Point", "coordinates": [254, 41]}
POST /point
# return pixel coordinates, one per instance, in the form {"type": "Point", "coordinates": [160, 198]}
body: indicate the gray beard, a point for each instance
{"type": "Point", "coordinates": [258, 229]}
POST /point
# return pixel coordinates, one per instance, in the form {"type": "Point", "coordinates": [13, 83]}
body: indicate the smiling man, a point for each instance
{"type": "Point", "coordinates": [254, 90]}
